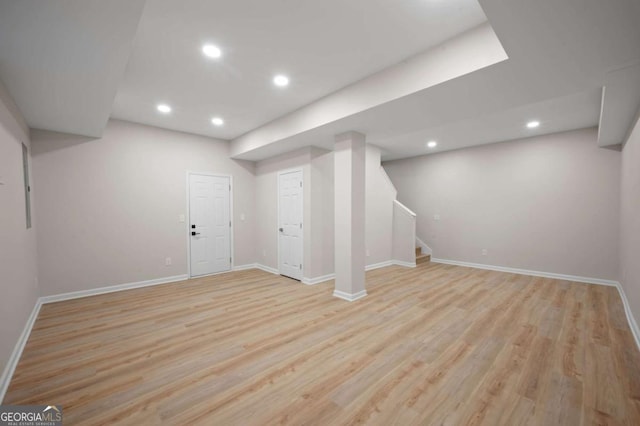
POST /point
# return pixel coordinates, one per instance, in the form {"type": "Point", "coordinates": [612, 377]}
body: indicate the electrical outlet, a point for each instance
{"type": "Point", "coordinates": [167, 261]}
{"type": "Point", "coordinates": [368, 253]}
{"type": "Point", "coordinates": [264, 253]}
{"type": "Point", "coordinates": [484, 252]}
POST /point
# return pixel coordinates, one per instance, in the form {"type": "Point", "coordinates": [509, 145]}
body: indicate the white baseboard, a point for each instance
{"type": "Point", "coordinates": [348, 296]}
{"type": "Point", "coordinates": [389, 263]}
{"type": "Point", "coordinates": [267, 269]}
{"type": "Point", "coordinates": [405, 264]}
{"type": "Point", "coordinates": [244, 267]}
{"type": "Point", "coordinates": [378, 265]}
{"type": "Point", "coordinates": [633, 325]}
{"type": "Point", "coordinates": [424, 248]}
{"type": "Point", "coordinates": [318, 280]}
{"type": "Point", "coordinates": [323, 278]}
{"type": "Point", "coordinates": [10, 368]}
{"type": "Point", "coordinates": [111, 289]}
{"type": "Point", "coordinates": [574, 278]}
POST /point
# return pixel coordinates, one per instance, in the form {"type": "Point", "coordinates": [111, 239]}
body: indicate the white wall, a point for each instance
{"type": "Point", "coordinates": [630, 221]}
{"type": "Point", "coordinates": [322, 214]}
{"type": "Point", "coordinates": [379, 210]}
{"type": "Point", "coordinates": [109, 207]}
{"type": "Point", "coordinates": [549, 203]}
{"type": "Point", "coordinates": [317, 166]}
{"type": "Point", "coordinates": [404, 234]}
{"type": "Point", "coordinates": [18, 270]}
{"type": "Point", "coordinates": [266, 189]}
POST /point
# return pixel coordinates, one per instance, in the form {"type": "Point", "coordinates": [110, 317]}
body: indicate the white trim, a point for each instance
{"type": "Point", "coordinates": [267, 269]}
{"type": "Point", "coordinates": [424, 248]}
{"type": "Point", "coordinates": [10, 368]}
{"type": "Point", "coordinates": [318, 280]}
{"type": "Point", "coordinates": [633, 325]}
{"type": "Point", "coordinates": [323, 278]}
{"type": "Point", "coordinates": [405, 264]}
{"type": "Point", "coordinates": [348, 296]}
{"type": "Point", "coordinates": [112, 289]}
{"type": "Point", "coordinates": [405, 209]}
{"type": "Point", "coordinates": [378, 265]}
{"type": "Point", "coordinates": [245, 267]}
{"type": "Point", "coordinates": [188, 220]}
{"type": "Point", "coordinates": [280, 173]}
{"type": "Point", "coordinates": [574, 278]}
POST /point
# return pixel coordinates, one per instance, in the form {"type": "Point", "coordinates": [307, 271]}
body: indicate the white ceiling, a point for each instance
{"type": "Point", "coordinates": [321, 45]}
{"type": "Point", "coordinates": [556, 50]}
{"type": "Point", "coordinates": [64, 61]}
{"type": "Point", "coordinates": [576, 111]}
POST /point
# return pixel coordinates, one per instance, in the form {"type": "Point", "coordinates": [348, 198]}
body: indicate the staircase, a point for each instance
{"type": "Point", "coordinates": [421, 258]}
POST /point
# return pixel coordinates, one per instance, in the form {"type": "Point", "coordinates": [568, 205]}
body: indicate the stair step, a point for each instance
{"type": "Point", "coordinates": [423, 258]}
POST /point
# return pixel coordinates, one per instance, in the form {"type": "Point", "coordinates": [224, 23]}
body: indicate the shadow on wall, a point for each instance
{"type": "Point", "coordinates": [249, 166]}
{"type": "Point", "coordinates": [57, 141]}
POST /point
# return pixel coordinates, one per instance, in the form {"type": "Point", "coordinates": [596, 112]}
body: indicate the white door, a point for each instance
{"type": "Point", "coordinates": [290, 224]}
{"type": "Point", "coordinates": [209, 224]}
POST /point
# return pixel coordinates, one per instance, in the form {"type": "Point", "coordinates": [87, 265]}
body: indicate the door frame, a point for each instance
{"type": "Point", "coordinates": [283, 172]}
{"type": "Point", "coordinates": [187, 220]}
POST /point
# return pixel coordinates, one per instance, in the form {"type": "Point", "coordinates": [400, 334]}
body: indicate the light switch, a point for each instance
{"type": "Point", "coordinates": [181, 218]}
{"type": "Point", "coordinates": [242, 216]}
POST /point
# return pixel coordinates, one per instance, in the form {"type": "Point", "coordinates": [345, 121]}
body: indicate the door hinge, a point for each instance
{"type": "Point", "coordinates": [229, 187]}
{"type": "Point", "coordinates": [300, 225]}
{"type": "Point", "coordinates": [300, 184]}
{"type": "Point", "coordinates": [230, 261]}
{"type": "Point", "coordinates": [301, 266]}
{"type": "Point", "coordinates": [229, 224]}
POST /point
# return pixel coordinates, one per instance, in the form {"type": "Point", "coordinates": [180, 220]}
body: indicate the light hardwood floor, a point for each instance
{"type": "Point", "coordinates": [435, 344]}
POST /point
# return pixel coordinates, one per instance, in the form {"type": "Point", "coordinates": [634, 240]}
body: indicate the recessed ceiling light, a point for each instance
{"type": "Point", "coordinates": [217, 121]}
{"type": "Point", "coordinates": [211, 51]}
{"type": "Point", "coordinates": [164, 108]}
{"type": "Point", "coordinates": [432, 144]}
{"type": "Point", "coordinates": [281, 80]}
{"type": "Point", "coordinates": [533, 124]}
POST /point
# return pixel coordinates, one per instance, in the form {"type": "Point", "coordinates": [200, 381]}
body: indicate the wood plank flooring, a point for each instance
{"type": "Point", "coordinates": [436, 344]}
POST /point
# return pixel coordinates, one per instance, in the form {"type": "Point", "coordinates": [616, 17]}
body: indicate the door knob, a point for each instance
{"type": "Point", "coordinates": [281, 230]}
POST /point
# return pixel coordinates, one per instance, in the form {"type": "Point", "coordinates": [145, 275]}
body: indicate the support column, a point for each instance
{"type": "Point", "coordinates": [349, 208]}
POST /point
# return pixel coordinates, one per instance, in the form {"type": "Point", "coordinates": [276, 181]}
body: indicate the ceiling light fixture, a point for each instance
{"type": "Point", "coordinates": [217, 121]}
{"type": "Point", "coordinates": [281, 80]}
{"type": "Point", "coordinates": [211, 51]}
{"type": "Point", "coordinates": [432, 144]}
{"type": "Point", "coordinates": [164, 108]}
{"type": "Point", "coordinates": [533, 124]}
